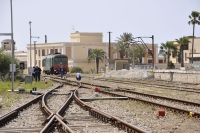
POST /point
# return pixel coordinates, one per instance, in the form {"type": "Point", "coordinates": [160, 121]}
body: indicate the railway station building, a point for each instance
{"type": "Point", "coordinates": [77, 50]}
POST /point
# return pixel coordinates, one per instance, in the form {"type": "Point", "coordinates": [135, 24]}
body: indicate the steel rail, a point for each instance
{"type": "Point", "coordinates": [157, 96]}
{"type": "Point", "coordinates": [108, 118]}
{"type": "Point", "coordinates": [14, 113]}
{"type": "Point", "coordinates": [44, 107]}
{"type": "Point", "coordinates": [196, 114]}
{"type": "Point", "coordinates": [100, 114]}
{"type": "Point", "coordinates": [56, 121]}
{"type": "Point", "coordinates": [187, 89]}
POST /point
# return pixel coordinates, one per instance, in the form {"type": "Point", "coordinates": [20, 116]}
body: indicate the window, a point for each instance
{"type": "Point", "coordinates": [39, 63]}
{"type": "Point", "coordinates": [43, 52]}
{"type": "Point", "coordinates": [160, 61]}
{"type": "Point", "coordinates": [185, 56]}
{"type": "Point", "coordinates": [35, 51]}
{"type": "Point", "coordinates": [38, 52]}
{"type": "Point", "coordinates": [150, 61]}
{"type": "Point", "coordinates": [51, 52]}
{"type": "Point", "coordinates": [56, 50]}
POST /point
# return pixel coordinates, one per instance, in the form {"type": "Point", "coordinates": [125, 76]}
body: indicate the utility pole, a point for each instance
{"type": "Point", "coordinates": [152, 51]}
{"type": "Point", "coordinates": [109, 51]}
{"type": "Point", "coordinates": [13, 48]}
{"type": "Point", "coordinates": [30, 46]}
{"type": "Point", "coordinates": [34, 53]}
{"type": "Point", "coordinates": [45, 38]}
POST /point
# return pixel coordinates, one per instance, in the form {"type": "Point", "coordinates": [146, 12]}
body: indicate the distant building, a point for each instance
{"type": "Point", "coordinates": [77, 50]}
{"type": "Point", "coordinates": [7, 44]}
{"type": "Point", "coordinates": [187, 54]}
{"type": "Point", "coordinates": [21, 56]}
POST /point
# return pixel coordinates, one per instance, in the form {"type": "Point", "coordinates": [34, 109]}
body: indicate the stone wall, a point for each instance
{"type": "Point", "coordinates": [178, 75]}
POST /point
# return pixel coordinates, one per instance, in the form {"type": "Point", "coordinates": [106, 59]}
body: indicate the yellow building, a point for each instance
{"type": "Point", "coordinates": [188, 53]}
{"type": "Point", "coordinates": [77, 50]}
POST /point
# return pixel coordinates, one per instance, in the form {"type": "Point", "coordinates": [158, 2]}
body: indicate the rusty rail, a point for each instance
{"type": "Point", "coordinates": [156, 96]}
{"type": "Point", "coordinates": [44, 107]}
{"type": "Point", "coordinates": [53, 122]}
{"type": "Point", "coordinates": [61, 111]}
{"type": "Point", "coordinates": [196, 114]}
{"type": "Point", "coordinates": [13, 114]}
{"type": "Point", "coordinates": [108, 118]}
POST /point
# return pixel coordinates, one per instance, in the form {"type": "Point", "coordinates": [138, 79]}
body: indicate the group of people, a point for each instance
{"type": "Point", "coordinates": [36, 72]}
{"type": "Point", "coordinates": [62, 71]}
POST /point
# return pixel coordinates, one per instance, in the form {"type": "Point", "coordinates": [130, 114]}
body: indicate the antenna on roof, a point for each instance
{"type": "Point", "coordinates": [73, 28]}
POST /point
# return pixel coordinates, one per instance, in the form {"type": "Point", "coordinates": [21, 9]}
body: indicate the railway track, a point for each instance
{"type": "Point", "coordinates": [113, 92]}
{"type": "Point", "coordinates": [174, 108]}
{"type": "Point", "coordinates": [168, 85]}
{"type": "Point", "coordinates": [55, 122]}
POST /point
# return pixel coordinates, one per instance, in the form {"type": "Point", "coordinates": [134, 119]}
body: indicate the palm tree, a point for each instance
{"type": "Point", "coordinates": [194, 19]}
{"type": "Point", "coordinates": [120, 47]}
{"type": "Point", "coordinates": [182, 41]}
{"type": "Point", "coordinates": [168, 49]}
{"type": "Point", "coordinates": [127, 39]}
{"type": "Point", "coordinates": [140, 52]}
{"type": "Point", "coordinates": [97, 55]}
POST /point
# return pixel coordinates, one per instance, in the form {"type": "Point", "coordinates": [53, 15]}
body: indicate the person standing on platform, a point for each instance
{"type": "Point", "coordinates": [52, 70]}
{"type": "Point", "coordinates": [37, 73]}
{"type": "Point", "coordinates": [33, 72]}
{"type": "Point", "coordinates": [62, 71]}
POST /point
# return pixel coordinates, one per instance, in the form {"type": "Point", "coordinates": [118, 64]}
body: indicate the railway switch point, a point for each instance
{"type": "Point", "coordinates": [161, 112]}
{"type": "Point", "coordinates": [96, 92]}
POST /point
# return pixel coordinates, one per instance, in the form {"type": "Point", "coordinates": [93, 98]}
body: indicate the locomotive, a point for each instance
{"type": "Point", "coordinates": [55, 60]}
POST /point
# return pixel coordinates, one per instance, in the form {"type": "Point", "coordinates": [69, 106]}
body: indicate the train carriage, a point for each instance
{"type": "Point", "coordinates": [55, 60]}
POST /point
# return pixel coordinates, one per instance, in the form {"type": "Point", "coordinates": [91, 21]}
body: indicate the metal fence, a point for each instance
{"type": "Point", "coordinates": [142, 66]}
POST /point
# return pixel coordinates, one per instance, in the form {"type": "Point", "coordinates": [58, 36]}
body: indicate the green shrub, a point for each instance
{"type": "Point", "coordinates": [76, 69]}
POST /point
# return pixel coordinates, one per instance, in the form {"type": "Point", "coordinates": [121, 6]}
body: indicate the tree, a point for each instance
{"type": "Point", "coordinates": [5, 61]}
{"type": "Point", "coordinates": [120, 47]}
{"type": "Point", "coordinates": [168, 49]}
{"type": "Point", "coordinates": [194, 19]}
{"type": "Point", "coordinates": [96, 54]}
{"type": "Point", "coordinates": [182, 41]}
{"type": "Point", "coordinates": [126, 39]}
{"type": "Point", "coordinates": [139, 52]}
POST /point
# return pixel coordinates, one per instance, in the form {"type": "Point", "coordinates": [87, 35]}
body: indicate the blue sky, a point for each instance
{"type": "Point", "coordinates": [165, 19]}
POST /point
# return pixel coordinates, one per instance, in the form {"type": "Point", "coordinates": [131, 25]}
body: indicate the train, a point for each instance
{"type": "Point", "coordinates": [55, 60]}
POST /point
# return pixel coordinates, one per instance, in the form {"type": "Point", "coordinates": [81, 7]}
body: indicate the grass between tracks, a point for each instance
{"type": "Point", "coordinates": [7, 98]}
